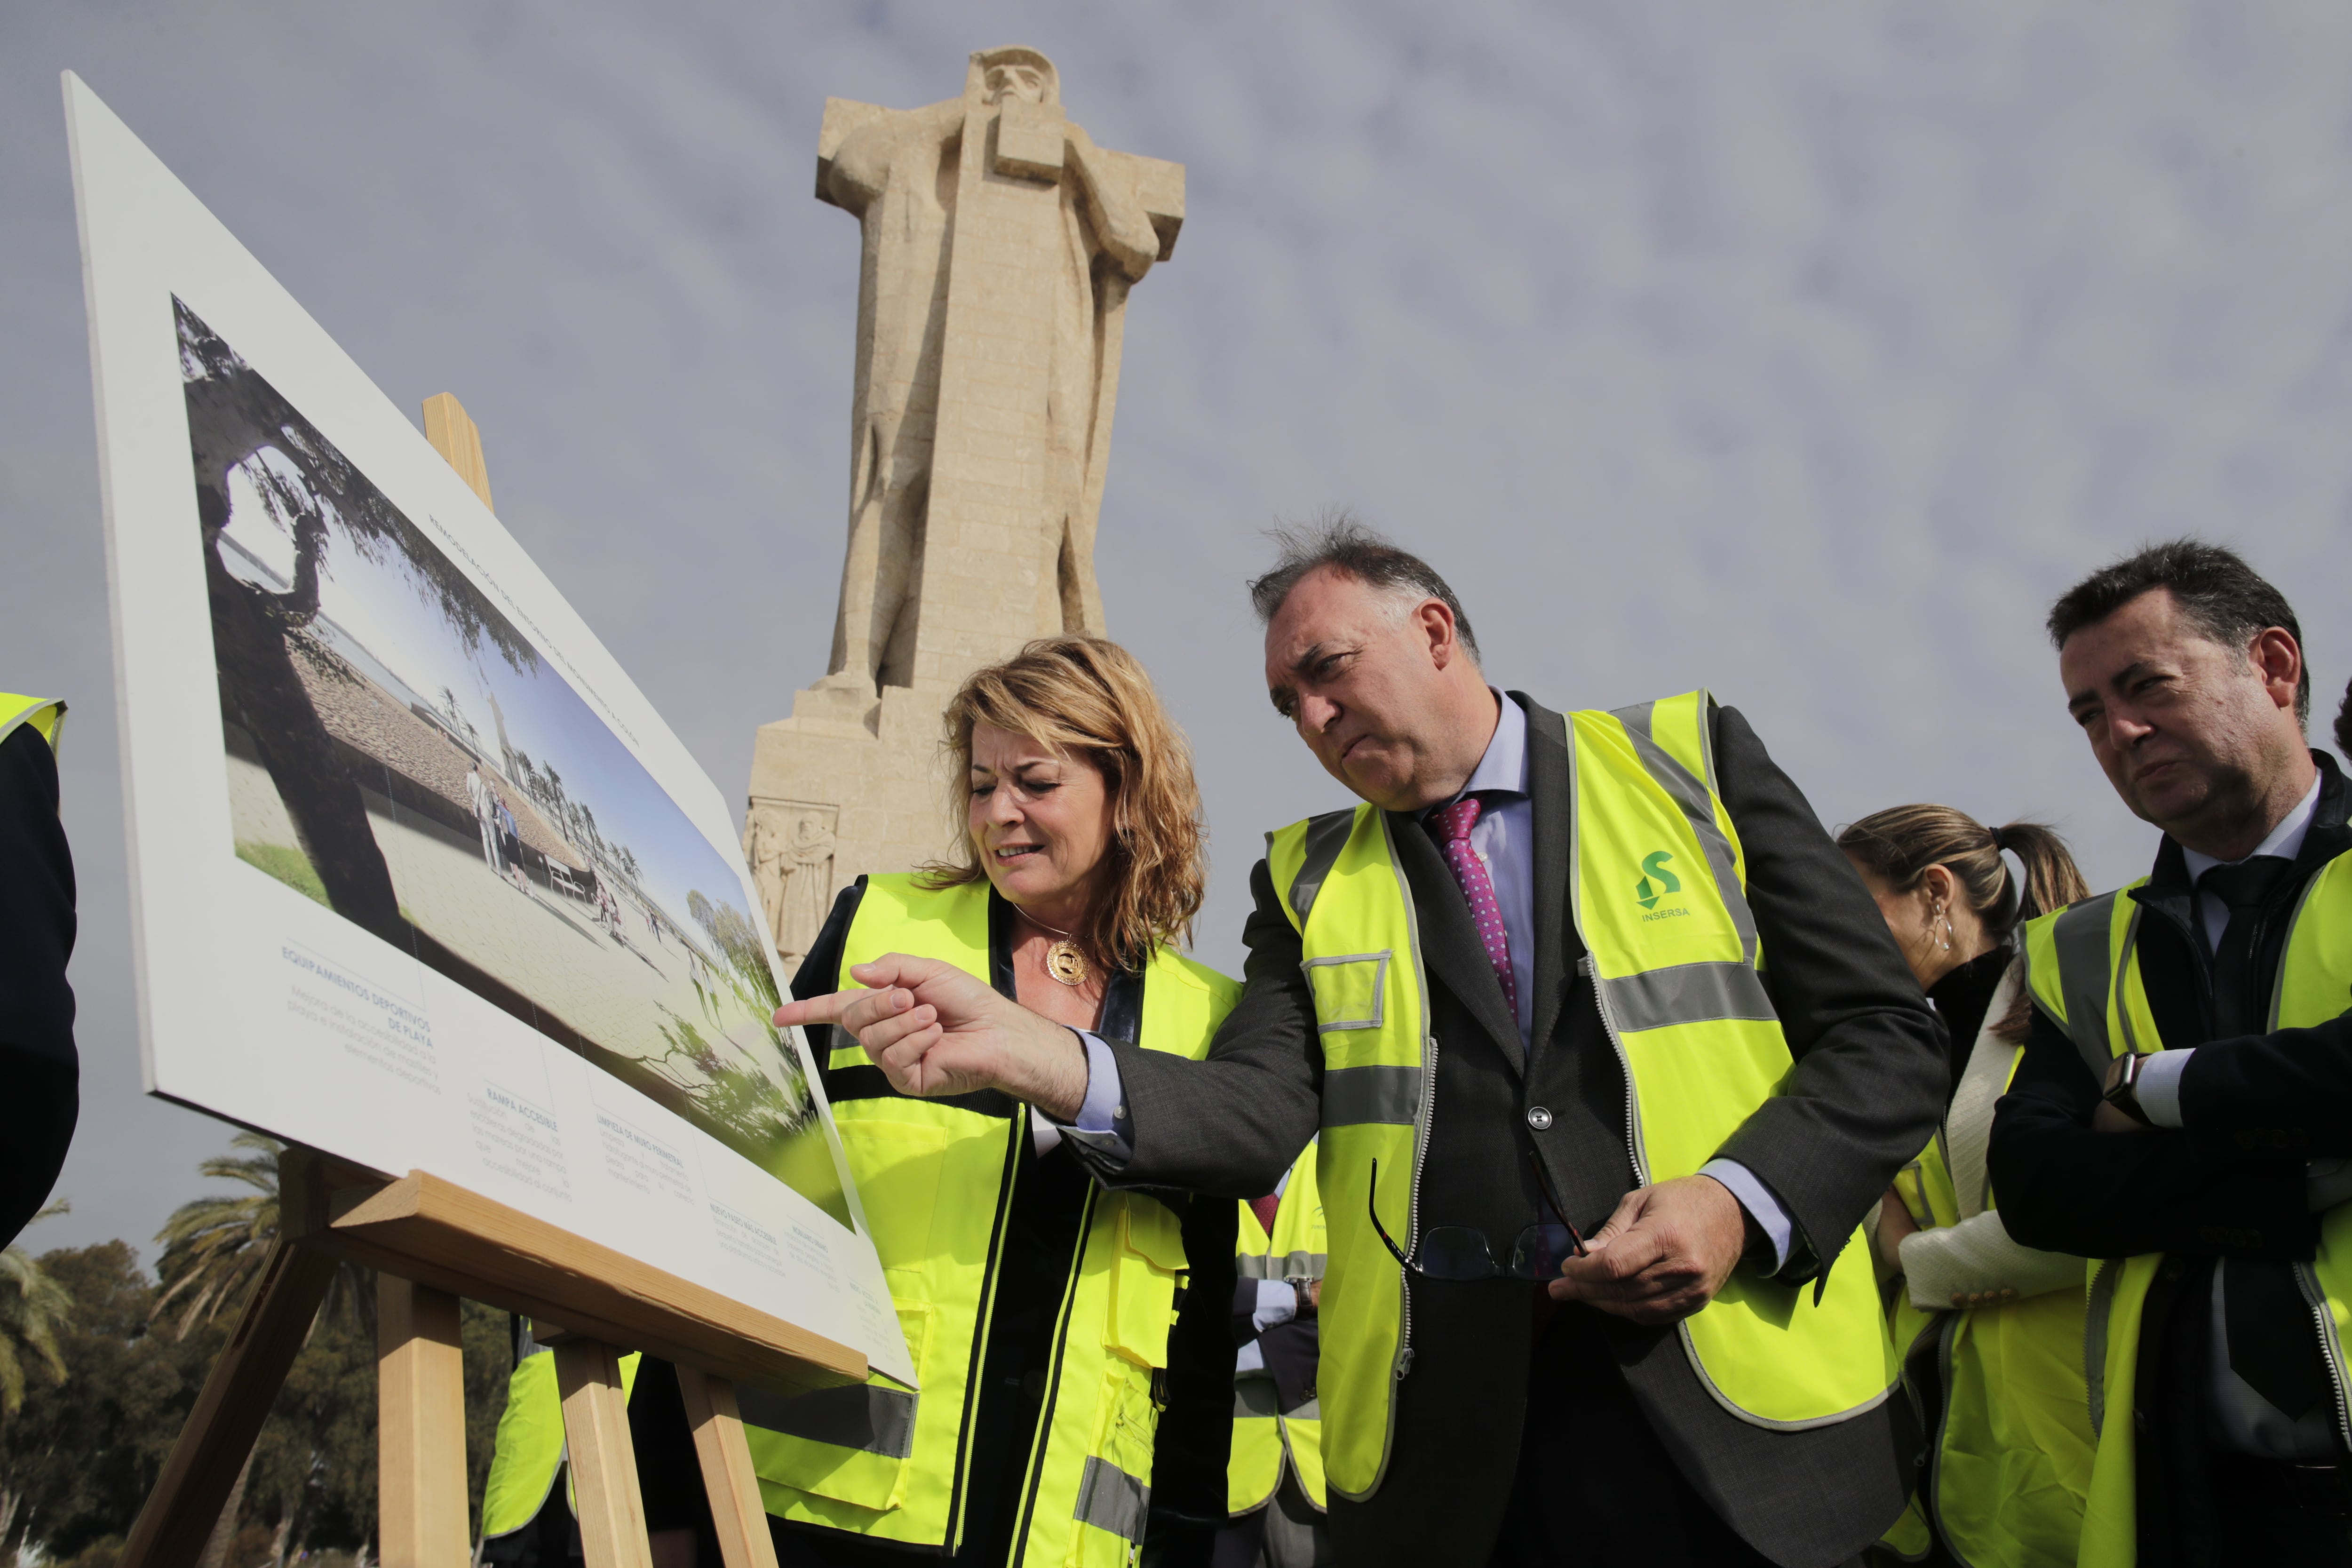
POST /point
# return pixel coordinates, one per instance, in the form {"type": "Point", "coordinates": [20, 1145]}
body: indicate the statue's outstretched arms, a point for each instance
{"type": "Point", "coordinates": [1120, 224]}
{"type": "Point", "coordinates": [861, 167]}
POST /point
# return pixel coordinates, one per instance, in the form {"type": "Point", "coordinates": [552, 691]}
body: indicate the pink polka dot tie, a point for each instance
{"type": "Point", "coordinates": [1453, 823]}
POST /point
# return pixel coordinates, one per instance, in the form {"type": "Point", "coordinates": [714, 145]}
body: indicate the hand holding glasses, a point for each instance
{"type": "Point", "coordinates": [1463, 1252]}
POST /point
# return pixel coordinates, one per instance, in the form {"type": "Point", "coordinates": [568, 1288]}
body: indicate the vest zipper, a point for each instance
{"type": "Point", "coordinates": [1423, 1121]}
{"type": "Point", "coordinates": [1423, 1118]}
{"type": "Point", "coordinates": [1932, 1493]}
{"type": "Point", "coordinates": [1626, 1063]}
{"type": "Point", "coordinates": [2307, 1279]}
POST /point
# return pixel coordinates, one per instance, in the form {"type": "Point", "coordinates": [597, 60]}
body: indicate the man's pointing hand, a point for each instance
{"type": "Point", "coordinates": [936, 1031]}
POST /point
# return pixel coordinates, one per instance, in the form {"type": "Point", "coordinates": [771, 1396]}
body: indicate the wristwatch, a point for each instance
{"type": "Point", "coordinates": [2121, 1090]}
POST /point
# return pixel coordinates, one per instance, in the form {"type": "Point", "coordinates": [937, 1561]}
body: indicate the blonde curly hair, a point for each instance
{"type": "Point", "coordinates": [1088, 699]}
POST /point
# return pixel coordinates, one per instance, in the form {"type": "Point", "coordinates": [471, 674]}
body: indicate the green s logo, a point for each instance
{"type": "Point", "coordinates": [1657, 881]}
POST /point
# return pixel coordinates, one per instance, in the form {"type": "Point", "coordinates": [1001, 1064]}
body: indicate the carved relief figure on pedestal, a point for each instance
{"type": "Point", "coordinates": [903, 172]}
{"type": "Point", "coordinates": [791, 851]}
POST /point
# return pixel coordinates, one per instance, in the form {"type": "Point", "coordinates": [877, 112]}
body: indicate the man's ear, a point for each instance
{"type": "Point", "coordinates": [2278, 660]}
{"type": "Point", "coordinates": [1437, 623]}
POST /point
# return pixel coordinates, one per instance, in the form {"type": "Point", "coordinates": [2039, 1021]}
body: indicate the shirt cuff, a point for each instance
{"type": "Point", "coordinates": [1762, 1207]}
{"type": "Point", "coordinates": [2159, 1089]}
{"type": "Point", "coordinates": [1105, 1108]}
{"type": "Point", "coordinates": [1278, 1303]}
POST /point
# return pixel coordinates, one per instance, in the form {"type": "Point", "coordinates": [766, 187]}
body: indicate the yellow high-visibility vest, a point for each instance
{"type": "Point", "coordinates": [936, 1180]}
{"type": "Point", "coordinates": [2010, 1459]}
{"type": "Point", "coordinates": [46, 715]}
{"type": "Point", "coordinates": [1658, 894]}
{"type": "Point", "coordinates": [529, 1448]}
{"type": "Point", "coordinates": [1267, 1438]}
{"type": "Point", "coordinates": [2083, 966]}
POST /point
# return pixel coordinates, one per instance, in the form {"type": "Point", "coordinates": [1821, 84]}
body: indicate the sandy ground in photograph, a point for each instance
{"type": "Point", "coordinates": [550, 948]}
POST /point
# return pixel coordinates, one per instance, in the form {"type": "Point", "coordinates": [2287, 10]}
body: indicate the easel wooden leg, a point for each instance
{"type": "Point", "coordinates": [603, 1466]}
{"type": "Point", "coordinates": [420, 1427]}
{"type": "Point", "coordinates": [194, 1483]}
{"type": "Point", "coordinates": [735, 1507]}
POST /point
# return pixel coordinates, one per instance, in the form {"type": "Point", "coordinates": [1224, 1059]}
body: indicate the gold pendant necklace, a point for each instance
{"type": "Point", "coordinates": [1064, 962]}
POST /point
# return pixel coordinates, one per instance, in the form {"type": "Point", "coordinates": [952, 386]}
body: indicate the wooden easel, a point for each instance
{"type": "Point", "coordinates": [431, 1242]}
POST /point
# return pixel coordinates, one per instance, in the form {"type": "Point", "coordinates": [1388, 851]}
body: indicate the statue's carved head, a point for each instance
{"type": "Point", "coordinates": [1015, 72]}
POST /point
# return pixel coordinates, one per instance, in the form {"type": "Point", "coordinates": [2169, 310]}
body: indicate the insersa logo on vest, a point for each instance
{"type": "Point", "coordinates": [1656, 883]}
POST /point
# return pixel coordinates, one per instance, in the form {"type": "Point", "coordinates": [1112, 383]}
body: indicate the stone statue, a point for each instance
{"type": "Point", "coordinates": [1061, 248]}
{"type": "Point", "coordinates": [999, 243]}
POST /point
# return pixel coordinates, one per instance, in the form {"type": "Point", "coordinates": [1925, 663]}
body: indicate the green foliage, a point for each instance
{"type": "Point", "coordinates": [316, 1456]}
{"type": "Point", "coordinates": [487, 1336]}
{"type": "Point", "coordinates": [213, 1247]}
{"type": "Point", "coordinates": [83, 1455]}
{"type": "Point", "coordinates": [740, 940]}
{"type": "Point", "coordinates": [32, 1305]}
{"type": "Point", "coordinates": [78, 1458]}
{"type": "Point", "coordinates": [285, 863]}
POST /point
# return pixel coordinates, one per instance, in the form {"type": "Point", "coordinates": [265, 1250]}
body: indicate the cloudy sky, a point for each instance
{"type": "Point", "coordinates": [1803, 352]}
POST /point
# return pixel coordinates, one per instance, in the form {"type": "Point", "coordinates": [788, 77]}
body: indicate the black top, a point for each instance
{"type": "Point", "coordinates": [1961, 999]}
{"type": "Point", "coordinates": [36, 903]}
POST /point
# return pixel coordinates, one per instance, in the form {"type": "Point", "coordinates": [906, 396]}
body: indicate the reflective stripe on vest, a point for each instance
{"type": "Point", "coordinates": [45, 715]}
{"type": "Point", "coordinates": [1266, 1436]}
{"type": "Point", "coordinates": [1657, 881]}
{"type": "Point", "coordinates": [2094, 990]}
{"type": "Point", "coordinates": [935, 1179]}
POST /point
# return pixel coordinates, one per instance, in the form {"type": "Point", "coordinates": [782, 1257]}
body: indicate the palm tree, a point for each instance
{"type": "Point", "coordinates": [213, 1247]}
{"type": "Point", "coordinates": [213, 1251]}
{"type": "Point", "coordinates": [32, 1306]}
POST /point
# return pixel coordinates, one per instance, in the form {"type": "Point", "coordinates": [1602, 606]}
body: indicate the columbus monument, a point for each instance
{"type": "Point", "coordinates": [999, 245]}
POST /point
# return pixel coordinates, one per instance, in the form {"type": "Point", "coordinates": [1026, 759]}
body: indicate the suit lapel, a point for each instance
{"type": "Point", "coordinates": [1551, 791]}
{"type": "Point", "coordinates": [1449, 938]}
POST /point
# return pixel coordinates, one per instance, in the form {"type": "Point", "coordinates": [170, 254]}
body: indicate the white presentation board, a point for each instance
{"type": "Point", "coordinates": [419, 877]}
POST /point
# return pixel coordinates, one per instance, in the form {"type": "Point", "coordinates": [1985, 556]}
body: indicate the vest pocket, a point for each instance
{"type": "Point", "coordinates": [1348, 989]}
{"type": "Point", "coordinates": [1143, 1281]}
{"type": "Point", "coordinates": [1114, 1485]}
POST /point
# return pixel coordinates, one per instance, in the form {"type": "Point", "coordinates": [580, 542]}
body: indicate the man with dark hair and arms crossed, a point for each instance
{"type": "Point", "coordinates": [2183, 1107]}
{"type": "Point", "coordinates": [1592, 970]}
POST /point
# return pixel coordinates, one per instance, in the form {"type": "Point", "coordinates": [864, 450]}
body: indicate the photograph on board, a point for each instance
{"type": "Point", "coordinates": [401, 752]}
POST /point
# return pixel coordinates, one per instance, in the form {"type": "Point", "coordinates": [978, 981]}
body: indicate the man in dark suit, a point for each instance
{"type": "Point", "coordinates": [2224, 1148]}
{"type": "Point", "coordinates": [1531, 1423]}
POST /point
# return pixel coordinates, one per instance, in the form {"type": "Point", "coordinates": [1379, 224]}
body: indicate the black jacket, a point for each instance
{"type": "Point", "coordinates": [39, 1072]}
{"type": "Point", "coordinates": [1865, 1096]}
{"type": "Point", "coordinates": [2228, 1184]}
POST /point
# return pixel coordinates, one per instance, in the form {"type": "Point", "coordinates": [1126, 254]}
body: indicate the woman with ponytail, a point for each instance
{"type": "Point", "coordinates": [1991, 1333]}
